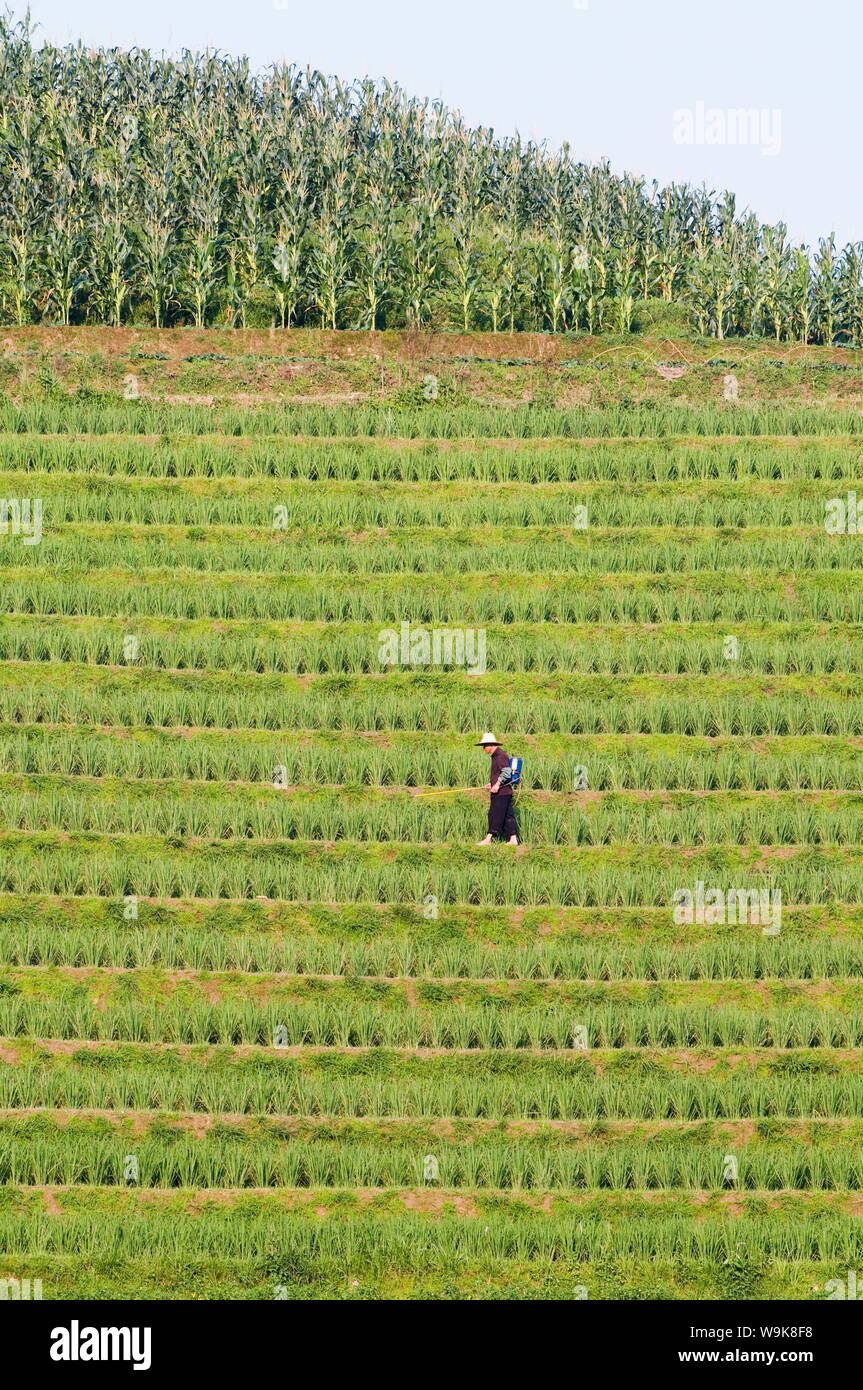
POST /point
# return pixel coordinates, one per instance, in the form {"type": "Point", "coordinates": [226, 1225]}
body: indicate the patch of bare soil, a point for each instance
{"type": "Point", "coordinates": [426, 1199]}
{"type": "Point", "coordinates": [574, 396]}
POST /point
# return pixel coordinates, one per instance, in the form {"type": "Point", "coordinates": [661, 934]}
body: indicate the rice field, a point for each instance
{"type": "Point", "coordinates": [271, 1023]}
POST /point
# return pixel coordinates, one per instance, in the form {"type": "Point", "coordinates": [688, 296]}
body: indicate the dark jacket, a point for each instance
{"type": "Point", "coordinates": [500, 760]}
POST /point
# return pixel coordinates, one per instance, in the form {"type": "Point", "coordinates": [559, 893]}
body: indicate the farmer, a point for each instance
{"type": "Point", "coordinates": [501, 816]}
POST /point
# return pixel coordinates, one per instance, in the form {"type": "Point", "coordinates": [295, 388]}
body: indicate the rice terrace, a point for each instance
{"type": "Point", "coordinates": [273, 555]}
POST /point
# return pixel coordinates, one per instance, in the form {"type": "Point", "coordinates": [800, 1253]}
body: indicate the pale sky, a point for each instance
{"type": "Point", "coordinates": [607, 76]}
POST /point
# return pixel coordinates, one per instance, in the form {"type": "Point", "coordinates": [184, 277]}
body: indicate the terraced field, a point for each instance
{"type": "Point", "coordinates": [271, 1024]}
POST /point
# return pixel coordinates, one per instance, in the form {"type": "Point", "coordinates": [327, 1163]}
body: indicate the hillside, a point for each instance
{"type": "Point", "coordinates": [271, 1023]}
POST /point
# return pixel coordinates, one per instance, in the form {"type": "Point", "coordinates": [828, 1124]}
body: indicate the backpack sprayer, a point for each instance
{"type": "Point", "coordinates": [512, 774]}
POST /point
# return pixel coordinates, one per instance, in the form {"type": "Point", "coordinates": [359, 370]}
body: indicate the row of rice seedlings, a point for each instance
{"type": "Point", "coordinates": [129, 946]}
{"type": "Point", "coordinates": [72, 865]}
{"type": "Point", "coordinates": [492, 1086]}
{"type": "Point", "coordinates": [703, 597]}
{"type": "Point", "coordinates": [94, 1160]}
{"type": "Point", "coordinates": [109, 413]}
{"type": "Point", "coordinates": [501, 550]}
{"type": "Point", "coordinates": [189, 1020]}
{"type": "Point", "coordinates": [145, 501]}
{"type": "Point", "coordinates": [678, 763]}
{"type": "Point", "coordinates": [261, 1229]}
{"type": "Point", "coordinates": [447, 703]}
{"type": "Point", "coordinates": [172, 453]}
{"type": "Point", "coordinates": [49, 863]}
{"type": "Point", "coordinates": [226, 811]}
{"type": "Point", "coordinates": [350, 649]}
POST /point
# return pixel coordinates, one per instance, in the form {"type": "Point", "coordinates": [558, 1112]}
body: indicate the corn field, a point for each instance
{"type": "Point", "coordinates": [138, 189]}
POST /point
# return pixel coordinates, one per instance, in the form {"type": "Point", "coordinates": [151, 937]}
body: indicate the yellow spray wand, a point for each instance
{"type": "Point", "coordinates": [454, 791]}
{"type": "Point", "coordinates": [444, 791]}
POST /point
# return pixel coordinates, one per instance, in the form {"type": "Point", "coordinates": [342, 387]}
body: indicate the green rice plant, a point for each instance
{"type": "Point", "coordinates": [346, 1017]}
{"type": "Point", "coordinates": [224, 507]}
{"type": "Point", "coordinates": [217, 458]}
{"type": "Point", "coordinates": [826, 596]}
{"type": "Point", "coordinates": [244, 646]}
{"type": "Point", "coordinates": [121, 944]}
{"type": "Point", "coordinates": [651, 1086]}
{"type": "Point", "coordinates": [218, 810]}
{"type": "Point", "coordinates": [110, 414]}
{"type": "Point", "coordinates": [93, 865]}
{"type": "Point", "coordinates": [729, 706]}
{"type": "Point", "coordinates": [405, 759]}
{"type": "Point", "coordinates": [642, 551]}
{"type": "Point", "coordinates": [592, 1228]}
{"type": "Point", "coordinates": [86, 1152]}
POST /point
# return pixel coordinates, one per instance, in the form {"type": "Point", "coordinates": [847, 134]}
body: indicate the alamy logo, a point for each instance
{"type": "Point", "coordinates": [758, 126]}
{"type": "Point", "coordinates": [844, 1288]}
{"type": "Point", "coordinates": [77, 1343]}
{"type": "Point", "coordinates": [439, 646]}
{"type": "Point", "coordinates": [729, 907]}
{"type": "Point", "coordinates": [843, 516]}
{"type": "Point", "coordinates": [20, 1289]}
{"type": "Point", "coordinates": [21, 517]}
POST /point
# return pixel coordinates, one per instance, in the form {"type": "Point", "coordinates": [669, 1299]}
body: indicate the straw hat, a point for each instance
{"type": "Point", "coordinates": [487, 738]}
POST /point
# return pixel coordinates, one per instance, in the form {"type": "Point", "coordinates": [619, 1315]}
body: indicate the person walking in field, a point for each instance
{"type": "Point", "coordinates": [502, 824]}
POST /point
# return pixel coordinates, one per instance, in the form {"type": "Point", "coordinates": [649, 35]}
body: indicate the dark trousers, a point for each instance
{"type": "Point", "coordinates": [501, 818]}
